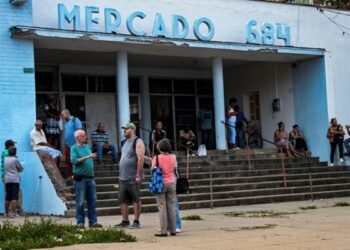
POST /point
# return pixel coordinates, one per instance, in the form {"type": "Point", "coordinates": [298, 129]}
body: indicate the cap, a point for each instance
{"type": "Point", "coordinates": [129, 125]}
{"type": "Point", "coordinates": [9, 143]}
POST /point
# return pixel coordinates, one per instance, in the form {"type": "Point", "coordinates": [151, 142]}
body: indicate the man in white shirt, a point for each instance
{"type": "Point", "coordinates": [39, 142]}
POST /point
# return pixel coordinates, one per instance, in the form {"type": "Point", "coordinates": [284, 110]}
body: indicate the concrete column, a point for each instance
{"type": "Point", "coordinates": [145, 108]}
{"type": "Point", "coordinates": [219, 103]}
{"type": "Point", "coordinates": [122, 92]}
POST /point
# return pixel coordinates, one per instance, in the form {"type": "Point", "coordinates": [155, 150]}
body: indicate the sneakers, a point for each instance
{"type": "Point", "coordinates": [341, 160]}
{"type": "Point", "coordinates": [178, 230]}
{"type": "Point", "coordinates": [135, 225]}
{"type": "Point", "coordinates": [96, 225]}
{"type": "Point", "coordinates": [80, 226]}
{"type": "Point", "coordinates": [123, 224]}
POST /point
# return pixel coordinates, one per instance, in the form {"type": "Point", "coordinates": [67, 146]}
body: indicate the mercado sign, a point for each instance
{"type": "Point", "coordinates": [203, 28]}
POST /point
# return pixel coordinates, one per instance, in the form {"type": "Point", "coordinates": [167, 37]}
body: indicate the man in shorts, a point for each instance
{"type": "Point", "coordinates": [130, 176]}
{"type": "Point", "coordinates": [39, 142]}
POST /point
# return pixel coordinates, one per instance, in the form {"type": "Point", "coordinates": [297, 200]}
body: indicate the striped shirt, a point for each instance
{"type": "Point", "coordinates": [99, 138]}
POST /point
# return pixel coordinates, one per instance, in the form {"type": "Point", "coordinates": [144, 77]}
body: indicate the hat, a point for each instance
{"type": "Point", "coordinates": [129, 125]}
{"type": "Point", "coordinates": [9, 143]}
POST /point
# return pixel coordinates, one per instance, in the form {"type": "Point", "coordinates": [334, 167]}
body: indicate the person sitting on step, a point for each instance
{"type": "Point", "coordinates": [100, 144]}
{"type": "Point", "coordinates": [282, 142]}
{"type": "Point", "coordinates": [187, 138]}
{"type": "Point", "coordinates": [297, 139]}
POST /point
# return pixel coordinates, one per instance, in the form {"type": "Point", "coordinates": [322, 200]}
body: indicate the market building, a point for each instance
{"type": "Point", "coordinates": [116, 61]}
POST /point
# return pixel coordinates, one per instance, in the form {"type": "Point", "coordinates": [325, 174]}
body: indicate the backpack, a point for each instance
{"type": "Point", "coordinates": [145, 165]}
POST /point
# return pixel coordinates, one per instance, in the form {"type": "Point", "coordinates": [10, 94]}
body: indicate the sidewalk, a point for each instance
{"type": "Point", "coordinates": [326, 228]}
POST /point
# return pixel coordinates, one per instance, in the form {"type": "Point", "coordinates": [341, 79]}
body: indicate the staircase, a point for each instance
{"type": "Point", "coordinates": [233, 183]}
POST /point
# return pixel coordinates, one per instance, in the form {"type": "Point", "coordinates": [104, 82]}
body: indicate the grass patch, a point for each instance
{"type": "Point", "coordinates": [309, 207]}
{"type": "Point", "coordinates": [192, 217]}
{"type": "Point", "coordinates": [259, 214]}
{"type": "Point", "coordinates": [342, 204]}
{"type": "Point", "coordinates": [266, 226]}
{"type": "Point", "coordinates": [48, 234]}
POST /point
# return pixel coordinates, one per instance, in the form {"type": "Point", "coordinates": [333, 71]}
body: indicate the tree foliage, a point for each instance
{"type": "Point", "coordinates": [337, 4]}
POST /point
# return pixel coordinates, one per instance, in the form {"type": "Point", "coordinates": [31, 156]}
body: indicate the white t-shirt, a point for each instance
{"type": "Point", "coordinates": [37, 137]}
{"type": "Point", "coordinates": [232, 118]}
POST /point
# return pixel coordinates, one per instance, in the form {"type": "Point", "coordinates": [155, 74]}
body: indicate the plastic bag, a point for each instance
{"type": "Point", "coordinates": [202, 150]}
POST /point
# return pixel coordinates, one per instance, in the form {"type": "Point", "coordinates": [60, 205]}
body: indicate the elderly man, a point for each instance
{"type": "Point", "coordinates": [39, 142]}
{"type": "Point", "coordinates": [100, 143]}
{"type": "Point", "coordinates": [84, 182]}
{"type": "Point", "coordinates": [72, 124]}
{"type": "Point", "coordinates": [130, 176]}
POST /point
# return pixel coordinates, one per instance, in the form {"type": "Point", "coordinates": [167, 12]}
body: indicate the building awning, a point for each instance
{"type": "Point", "coordinates": [106, 42]}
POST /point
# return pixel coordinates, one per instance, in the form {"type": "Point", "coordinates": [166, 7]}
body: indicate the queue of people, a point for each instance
{"type": "Point", "coordinates": [80, 158]}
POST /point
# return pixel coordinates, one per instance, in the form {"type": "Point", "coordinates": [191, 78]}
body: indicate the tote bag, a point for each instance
{"type": "Point", "coordinates": [156, 184]}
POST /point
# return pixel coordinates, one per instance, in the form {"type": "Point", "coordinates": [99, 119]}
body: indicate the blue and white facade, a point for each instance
{"type": "Point", "coordinates": [115, 61]}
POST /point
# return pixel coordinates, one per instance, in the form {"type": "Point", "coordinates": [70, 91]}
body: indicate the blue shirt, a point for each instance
{"type": "Point", "coordinates": [70, 127]}
{"type": "Point", "coordinates": [240, 117]}
{"type": "Point", "coordinates": [206, 118]}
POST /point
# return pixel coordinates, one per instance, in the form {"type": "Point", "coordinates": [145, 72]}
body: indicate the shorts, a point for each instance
{"type": "Point", "coordinates": [12, 190]}
{"type": "Point", "coordinates": [51, 151]}
{"type": "Point", "coordinates": [129, 191]}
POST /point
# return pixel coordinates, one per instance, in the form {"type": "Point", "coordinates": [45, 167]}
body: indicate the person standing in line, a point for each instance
{"type": "Point", "coordinates": [335, 134]}
{"type": "Point", "coordinates": [72, 124]}
{"type": "Point", "coordinates": [240, 132]}
{"type": "Point", "coordinates": [166, 201]}
{"type": "Point", "coordinates": [52, 123]}
{"type": "Point", "coordinates": [4, 154]}
{"type": "Point", "coordinates": [205, 117]}
{"type": "Point", "coordinates": [12, 180]}
{"type": "Point", "coordinates": [157, 134]}
{"type": "Point", "coordinates": [130, 176]}
{"type": "Point", "coordinates": [231, 120]}
{"type": "Point", "coordinates": [84, 182]}
{"type": "Point", "coordinates": [347, 141]}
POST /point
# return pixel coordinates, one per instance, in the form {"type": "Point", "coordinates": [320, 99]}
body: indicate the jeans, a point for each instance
{"type": "Point", "coordinates": [333, 148]}
{"type": "Point", "coordinates": [206, 138]}
{"type": "Point", "coordinates": [100, 151]}
{"type": "Point", "coordinates": [86, 188]}
{"type": "Point", "coordinates": [178, 218]}
{"type": "Point", "coordinates": [231, 132]}
{"type": "Point", "coordinates": [240, 138]}
{"type": "Point", "coordinates": [347, 145]}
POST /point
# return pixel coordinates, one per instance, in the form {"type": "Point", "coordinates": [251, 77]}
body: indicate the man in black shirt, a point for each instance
{"type": "Point", "coordinates": [157, 134]}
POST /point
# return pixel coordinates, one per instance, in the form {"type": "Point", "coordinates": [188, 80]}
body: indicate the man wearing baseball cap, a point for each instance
{"type": "Point", "coordinates": [130, 175]}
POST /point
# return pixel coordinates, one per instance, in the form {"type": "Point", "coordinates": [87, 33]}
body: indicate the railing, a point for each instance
{"type": "Point", "coordinates": [284, 173]}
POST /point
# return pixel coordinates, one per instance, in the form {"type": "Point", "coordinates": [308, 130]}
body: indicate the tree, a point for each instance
{"type": "Point", "coordinates": [337, 4]}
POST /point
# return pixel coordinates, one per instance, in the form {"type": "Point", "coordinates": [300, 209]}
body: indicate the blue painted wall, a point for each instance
{"type": "Point", "coordinates": [17, 112]}
{"type": "Point", "coordinates": [39, 195]}
{"type": "Point", "coordinates": [17, 89]}
{"type": "Point", "coordinates": [310, 100]}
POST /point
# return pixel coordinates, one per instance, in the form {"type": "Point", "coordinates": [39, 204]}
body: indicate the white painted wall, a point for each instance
{"type": "Point", "coordinates": [261, 77]}
{"type": "Point", "coordinates": [309, 28]}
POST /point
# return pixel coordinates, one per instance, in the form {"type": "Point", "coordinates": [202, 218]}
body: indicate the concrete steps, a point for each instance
{"type": "Point", "coordinates": [233, 182]}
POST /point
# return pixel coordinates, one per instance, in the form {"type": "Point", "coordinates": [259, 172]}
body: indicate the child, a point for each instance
{"type": "Point", "coordinates": [12, 180]}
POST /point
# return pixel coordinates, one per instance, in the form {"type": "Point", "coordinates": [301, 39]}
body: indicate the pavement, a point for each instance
{"type": "Point", "coordinates": [326, 227]}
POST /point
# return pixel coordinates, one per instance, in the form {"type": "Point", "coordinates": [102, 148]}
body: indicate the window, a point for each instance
{"type": "Point", "coordinates": [205, 87]}
{"type": "Point", "coordinates": [160, 86]}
